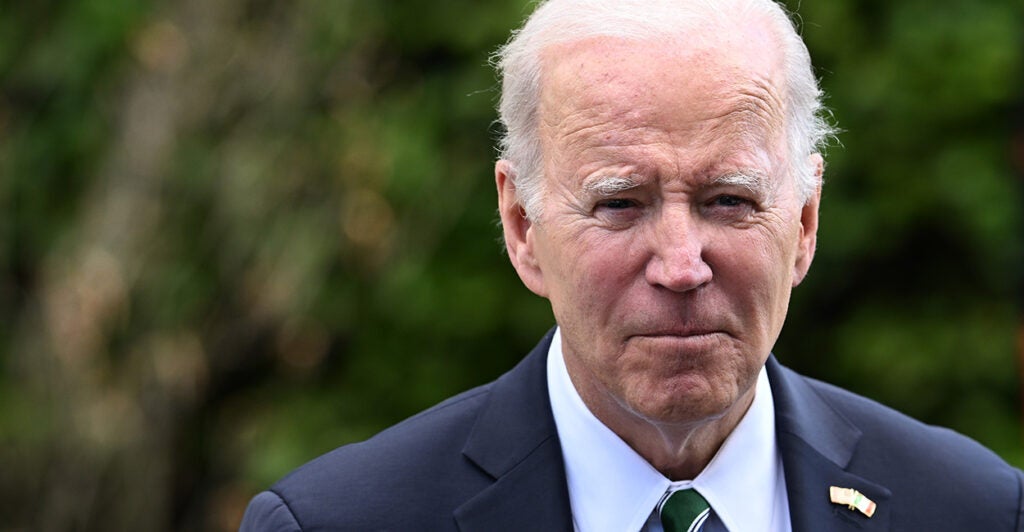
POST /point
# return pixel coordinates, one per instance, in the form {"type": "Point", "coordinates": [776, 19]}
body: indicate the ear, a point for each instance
{"type": "Point", "coordinates": [519, 231]}
{"type": "Point", "coordinates": [809, 224]}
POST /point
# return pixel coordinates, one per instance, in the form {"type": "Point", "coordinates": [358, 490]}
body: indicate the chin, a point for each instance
{"type": "Point", "coordinates": [682, 400]}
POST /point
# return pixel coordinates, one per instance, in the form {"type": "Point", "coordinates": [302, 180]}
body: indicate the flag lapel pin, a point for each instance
{"type": "Point", "coordinates": [853, 499]}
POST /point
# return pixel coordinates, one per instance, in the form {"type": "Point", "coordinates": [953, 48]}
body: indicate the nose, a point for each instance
{"type": "Point", "coordinates": [677, 253]}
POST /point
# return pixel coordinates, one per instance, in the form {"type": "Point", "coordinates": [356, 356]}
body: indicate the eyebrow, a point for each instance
{"type": "Point", "coordinates": [610, 185]}
{"type": "Point", "coordinates": [753, 181]}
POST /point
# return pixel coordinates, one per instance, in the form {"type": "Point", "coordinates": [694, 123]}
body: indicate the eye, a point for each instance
{"type": "Point", "coordinates": [727, 200]}
{"type": "Point", "coordinates": [729, 208]}
{"type": "Point", "coordinates": [618, 212]}
{"type": "Point", "coordinates": [617, 204]}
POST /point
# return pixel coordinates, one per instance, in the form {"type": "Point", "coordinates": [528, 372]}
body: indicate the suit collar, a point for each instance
{"type": "Point", "coordinates": [515, 441]}
{"type": "Point", "coordinates": [817, 444]}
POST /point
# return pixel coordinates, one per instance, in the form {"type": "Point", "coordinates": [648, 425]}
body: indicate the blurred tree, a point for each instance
{"type": "Point", "coordinates": [914, 295]}
{"type": "Point", "coordinates": [237, 234]}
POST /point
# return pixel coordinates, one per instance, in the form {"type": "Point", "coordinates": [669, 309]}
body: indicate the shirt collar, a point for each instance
{"type": "Point", "coordinates": [611, 487]}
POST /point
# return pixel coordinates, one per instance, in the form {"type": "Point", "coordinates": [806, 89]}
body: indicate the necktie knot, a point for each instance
{"type": "Point", "coordinates": [684, 511]}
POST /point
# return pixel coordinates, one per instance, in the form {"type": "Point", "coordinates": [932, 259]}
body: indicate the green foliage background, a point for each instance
{"type": "Point", "coordinates": [237, 234]}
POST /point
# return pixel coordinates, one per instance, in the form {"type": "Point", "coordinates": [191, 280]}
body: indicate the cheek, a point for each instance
{"type": "Point", "coordinates": [766, 252]}
{"type": "Point", "coordinates": [756, 264]}
{"type": "Point", "coordinates": [586, 274]}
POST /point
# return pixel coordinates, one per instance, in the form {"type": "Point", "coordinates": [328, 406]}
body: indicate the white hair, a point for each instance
{"type": "Point", "coordinates": [564, 21]}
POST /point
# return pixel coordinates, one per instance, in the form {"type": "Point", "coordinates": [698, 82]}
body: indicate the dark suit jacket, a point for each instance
{"type": "Point", "coordinates": [489, 460]}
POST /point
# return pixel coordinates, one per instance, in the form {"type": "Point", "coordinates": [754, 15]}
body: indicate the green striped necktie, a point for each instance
{"type": "Point", "coordinates": [684, 511]}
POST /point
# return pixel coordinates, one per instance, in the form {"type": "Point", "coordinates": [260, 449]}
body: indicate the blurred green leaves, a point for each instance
{"type": "Point", "coordinates": [235, 235]}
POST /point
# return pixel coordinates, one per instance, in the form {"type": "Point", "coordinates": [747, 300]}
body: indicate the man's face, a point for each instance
{"type": "Point", "coordinates": [671, 233]}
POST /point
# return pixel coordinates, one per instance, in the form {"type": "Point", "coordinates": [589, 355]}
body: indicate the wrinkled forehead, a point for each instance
{"type": "Point", "coordinates": [733, 79]}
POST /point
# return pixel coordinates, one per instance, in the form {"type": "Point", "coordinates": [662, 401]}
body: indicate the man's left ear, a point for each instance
{"type": "Point", "coordinates": [809, 223]}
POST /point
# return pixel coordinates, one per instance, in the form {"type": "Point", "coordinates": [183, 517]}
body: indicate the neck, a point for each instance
{"type": "Point", "coordinates": [681, 451]}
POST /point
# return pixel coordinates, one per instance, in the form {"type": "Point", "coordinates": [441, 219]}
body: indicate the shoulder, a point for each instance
{"type": "Point", "coordinates": [416, 474]}
{"type": "Point", "coordinates": [356, 486]}
{"type": "Point", "coordinates": [898, 436]}
{"type": "Point", "coordinates": [934, 474]}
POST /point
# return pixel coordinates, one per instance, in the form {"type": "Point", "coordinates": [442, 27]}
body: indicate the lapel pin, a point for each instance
{"type": "Point", "coordinates": [852, 498]}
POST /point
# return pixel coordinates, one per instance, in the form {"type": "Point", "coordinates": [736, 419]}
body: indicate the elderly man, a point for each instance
{"type": "Point", "coordinates": [659, 184]}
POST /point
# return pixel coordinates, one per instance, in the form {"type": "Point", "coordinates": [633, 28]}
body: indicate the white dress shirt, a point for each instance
{"type": "Point", "coordinates": [612, 488]}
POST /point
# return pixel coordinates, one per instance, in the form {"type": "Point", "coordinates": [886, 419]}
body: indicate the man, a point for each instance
{"type": "Point", "coordinates": [659, 184]}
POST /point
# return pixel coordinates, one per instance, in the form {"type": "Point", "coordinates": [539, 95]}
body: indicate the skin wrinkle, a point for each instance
{"type": "Point", "coordinates": [583, 138]}
{"type": "Point", "coordinates": [759, 100]}
{"type": "Point", "coordinates": [754, 110]}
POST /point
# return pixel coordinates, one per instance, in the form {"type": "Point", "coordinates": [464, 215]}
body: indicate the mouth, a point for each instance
{"type": "Point", "coordinates": [679, 333]}
{"type": "Point", "coordinates": [675, 340]}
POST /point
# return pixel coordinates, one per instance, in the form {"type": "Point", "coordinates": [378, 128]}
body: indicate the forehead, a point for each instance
{"type": "Point", "coordinates": [608, 90]}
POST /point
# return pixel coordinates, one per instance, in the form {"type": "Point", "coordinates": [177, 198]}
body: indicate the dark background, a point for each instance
{"type": "Point", "coordinates": [237, 234]}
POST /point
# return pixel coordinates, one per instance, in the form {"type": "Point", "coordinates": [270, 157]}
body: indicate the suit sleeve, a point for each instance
{"type": "Point", "coordinates": [1020, 503]}
{"type": "Point", "coordinates": [267, 512]}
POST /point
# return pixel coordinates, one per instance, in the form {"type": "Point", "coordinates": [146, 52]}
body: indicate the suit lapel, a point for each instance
{"type": "Point", "coordinates": [516, 442]}
{"type": "Point", "coordinates": [817, 443]}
